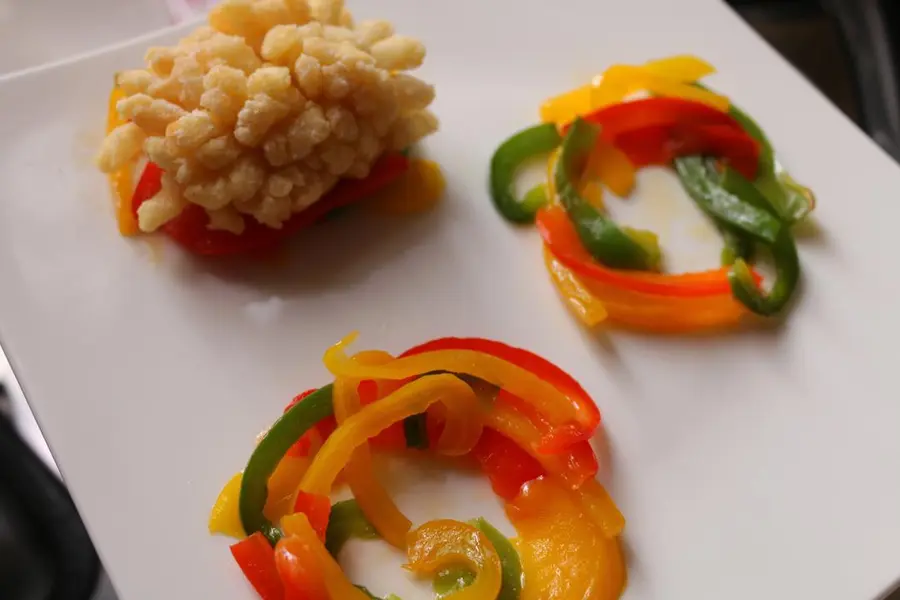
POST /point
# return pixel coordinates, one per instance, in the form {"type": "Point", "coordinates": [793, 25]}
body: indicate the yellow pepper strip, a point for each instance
{"type": "Point", "coordinates": [372, 497]}
{"type": "Point", "coordinates": [120, 181]}
{"type": "Point", "coordinates": [551, 176]}
{"type": "Point", "coordinates": [662, 86]}
{"type": "Point", "coordinates": [565, 107]}
{"type": "Point", "coordinates": [583, 304]}
{"type": "Point", "coordinates": [225, 517]}
{"type": "Point", "coordinates": [612, 167]}
{"type": "Point", "coordinates": [444, 543]}
{"type": "Point", "coordinates": [411, 399]}
{"type": "Point", "coordinates": [564, 553]}
{"type": "Point", "coordinates": [592, 191]}
{"type": "Point", "coordinates": [640, 311]}
{"type": "Point", "coordinates": [283, 486]}
{"type": "Point", "coordinates": [336, 582]}
{"type": "Point", "coordinates": [418, 189]}
{"type": "Point", "coordinates": [550, 402]}
{"type": "Point", "coordinates": [602, 509]}
{"type": "Point", "coordinates": [684, 68]}
{"type": "Point", "coordinates": [568, 466]}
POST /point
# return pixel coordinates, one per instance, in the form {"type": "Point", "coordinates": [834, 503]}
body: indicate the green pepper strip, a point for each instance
{"type": "Point", "coordinates": [784, 253]}
{"type": "Point", "coordinates": [698, 176]}
{"type": "Point", "coordinates": [791, 201]}
{"type": "Point", "coordinates": [345, 522]}
{"type": "Point", "coordinates": [452, 580]}
{"type": "Point", "coordinates": [736, 246]}
{"type": "Point", "coordinates": [613, 246]}
{"type": "Point", "coordinates": [269, 452]}
{"type": "Point", "coordinates": [526, 144]}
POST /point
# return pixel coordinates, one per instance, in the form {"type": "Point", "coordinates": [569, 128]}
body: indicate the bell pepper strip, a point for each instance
{"type": "Point", "coordinates": [575, 466]}
{"type": "Point", "coordinates": [700, 179]}
{"type": "Point", "coordinates": [373, 498]}
{"type": "Point", "coordinates": [736, 246]}
{"type": "Point", "coordinates": [370, 390]}
{"type": "Point", "coordinates": [439, 544]}
{"type": "Point", "coordinates": [792, 201]}
{"type": "Point", "coordinates": [560, 237]}
{"type": "Point", "coordinates": [511, 567]}
{"type": "Point", "coordinates": [598, 504]}
{"type": "Point", "coordinates": [418, 189]}
{"type": "Point", "coordinates": [589, 309]}
{"type": "Point", "coordinates": [282, 487]}
{"type": "Point", "coordinates": [347, 521]}
{"type": "Point", "coordinates": [567, 410]}
{"type": "Point", "coordinates": [507, 466]}
{"type": "Point", "coordinates": [256, 558]}
{"type": "Point", "coordinates": [413, 398]}
{"type": "Point", "coordinates": [190, 229]}
{"type": "Point", "coordinates": [564, 553]}
{"type": "Point", "coordinates": [634, 310]}
{"type": "Point", "coordinates": [565, 107]}
{"type": "Point", "coordinates": [612, 167]}
{"type": "Point", "coordinates": [120, 181]}
{"type": "Point", "coordinates": [268, 454]}
{"type": "Point", "coordinates": [297, 527]}
{"type": "Point", "coordinates": [225, 517]}
{"type": "Point", "coordinates": [603, 239]}
{"type": "Point", "coordinates": [684, 68]}
{"type": "Point", "coordinates": [311, 441]}
{"type": "Point", "coordinates": [647, 113]}
{"type": "Point", "coordinates": [587, 415]}
{"type": "Point", "coordinates": [621, 80]}
{"type": "Point", "coordinates": [508, 158]}
{"type": "Point", "coordinates": [450, 581]}
{"type": "Point", "coordinates": [317, 510]}
{"type": "Point", "coordinates": [297, 566]}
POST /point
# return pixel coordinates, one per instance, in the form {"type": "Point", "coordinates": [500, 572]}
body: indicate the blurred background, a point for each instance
{"type": "Point", "coordinates": [850, 49]}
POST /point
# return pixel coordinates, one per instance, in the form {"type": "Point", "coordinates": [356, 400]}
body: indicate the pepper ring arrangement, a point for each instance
{"type": "Point", "coordinates": [523, 421]}
{"type": "Point", "coordinates": [633, 116]}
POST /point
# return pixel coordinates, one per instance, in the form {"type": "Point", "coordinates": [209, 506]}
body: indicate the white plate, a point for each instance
{"type": "Point", "coordinates": [759, 464]}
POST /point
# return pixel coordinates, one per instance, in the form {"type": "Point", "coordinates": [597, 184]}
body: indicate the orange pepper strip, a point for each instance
{"type": "Point", "coordinates": [560, 236]}
{"type": "Point", "coordinates": [563, 551]}
{"type": "Point", "coordinates": [574, 466]}
{"type": "Point", "coordinates": [444, 543]}
{"type": "Point", "coordinates": [641, 311]}
{"type": "Point", "coordinates": [120, 181]}
{"type": "Point", "coordinates": [600, 507]}
{"type": "Point", "coordinates": [612, 167]}
{"type": "Point", "coordinates": [559, 406]}
{"type": "Point", "coordinates": [413, 398]}
{"type": "Point", "coordinates": [297, 526]}
{"type": "Point", "coordinates": [373, 498]}
{"type": "Point", "coordinates": [684, 68]}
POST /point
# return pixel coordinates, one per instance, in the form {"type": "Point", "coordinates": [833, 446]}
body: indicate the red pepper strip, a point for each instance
{"type": "Point", "coordinates": [190, 230]}
{"type": "Point", "coordinates": [256, 558]}
{"type": "Point", "coordinates": [560, 237]}
{"type": "Point", "coordinates": [507, 465]}
{"type": "Point", "coordinates": [656, 112]}
{"type": "Point", "coordinates": [312, 439]}
{"type": "Point", "coordinates": [559, 438]}
{"type": "Point", "coordinates": [317, 509]}
{"type": "Point", "coordinates": [393, 437]}
{"type": "Point", "coordinates": [661, 145]}
{"type": "Point", "coordinates": [299, 569]}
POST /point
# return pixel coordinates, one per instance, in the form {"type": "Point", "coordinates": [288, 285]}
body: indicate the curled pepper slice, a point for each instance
{"type": "Point", "coordinates": [526, 144]}
{"type": "Point", "coordinates": [506, 464]}
{"type": "Point", "coordinates": [268, 454]}
{"type": "Point", "coordinates": [120, 181]}
{"type": "Point", "coordinates": [373, 498]}
{"type": "Point", "coordinates": [564, 553]}
{"type": "Point", "coordinates": [347, 521]}
{"type": "Point", "coordinates": [413, 398]}
{"type": "Point", "coordinates": [571, 411]}
{"type": "Point", "coordinates": [509, 560]}
{"type": "Point", "coordinates": [608, 243]}
{"type": "Point", "coordinates": [439, 544]}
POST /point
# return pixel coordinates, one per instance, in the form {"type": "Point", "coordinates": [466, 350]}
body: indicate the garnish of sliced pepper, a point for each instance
{"type": "Point", "coordinates": [644, 312]}
{"type": "Point", "coordinates": [571, 415]}
{"type": "Point", "coordinates": [298, 568]}
{"type": "Point", "coordinates": [256, 558]}
{"type": "Point", "coordinates": [373, 498]}
{"type": "Point", "coordinates": [587, 415]}
{"type": "Point", "coordinates": [510, 564]}
{"type": "Point", "coordinates": [297, 527]}
{"type": "Point", "coordinates": [508, 158]}
{"type": "Point", "coordinates": [120, 181]}
{"type": "Point", "coordinates": [444, 543]}
{"type": "Point", "coordinates": [701, 180]}
{"type": "Point", "coordinates": [603, 239]}
{"type": "Point", "coordinates": [413, 398]}
{"type": "Point", "coordinates": [564, 553]}
{"type": "Point", "coordinates": [507, 466]}
{"type": "Point", "coordinates": [191, 232]}
{"type": "Point", "coordinates": [268, 454]}
{"type": "Point", "coordinates": [621, 80]}
{"type": "Point", "coordinates": [347, 521]}
{"type": "Point", "coordinates": [560, 237]}
{"type": "Point", "coordinates": [225, 518]}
